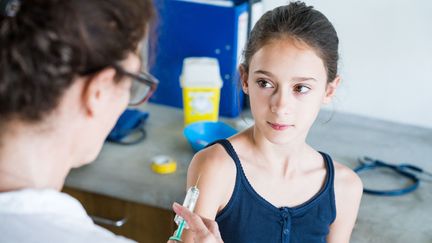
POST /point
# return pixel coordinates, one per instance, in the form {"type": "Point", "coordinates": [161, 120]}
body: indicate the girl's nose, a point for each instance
{"type": "Point", "coordinates": [282, 102]}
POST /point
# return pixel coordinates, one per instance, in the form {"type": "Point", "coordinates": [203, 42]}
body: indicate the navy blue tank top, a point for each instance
{"type": "Point", "coordinates": [250, 218]}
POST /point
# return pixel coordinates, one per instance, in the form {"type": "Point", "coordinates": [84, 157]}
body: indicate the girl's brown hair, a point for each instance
{"type": "Point", "coordinates": [296, 20]}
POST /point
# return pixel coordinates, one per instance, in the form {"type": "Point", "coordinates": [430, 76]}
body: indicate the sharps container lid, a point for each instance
{"type": "Point", "coordinates": [200, 72]}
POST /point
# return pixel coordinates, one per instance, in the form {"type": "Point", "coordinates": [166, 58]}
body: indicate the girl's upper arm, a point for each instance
{"type": "Point", "coordinates": [216, 172]}
{"type": "Point", "coordinates": [348, 192]}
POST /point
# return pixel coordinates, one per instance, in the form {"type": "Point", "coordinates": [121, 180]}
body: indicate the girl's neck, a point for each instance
{"type": "Point", "coordinates": [282, 159]}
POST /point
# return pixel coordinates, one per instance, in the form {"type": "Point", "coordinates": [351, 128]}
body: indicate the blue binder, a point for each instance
{"type": "Point", "coordinates": [188, 29]}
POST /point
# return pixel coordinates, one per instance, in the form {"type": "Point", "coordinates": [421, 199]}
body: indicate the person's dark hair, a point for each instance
{"type": "Point", "coordinates": [298, 21]}
{"type": "Point", "coordinates": [48, 43]}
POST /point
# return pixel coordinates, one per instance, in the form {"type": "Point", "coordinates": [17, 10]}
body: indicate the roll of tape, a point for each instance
{"type": "Point", "coordinates": [163, 164]}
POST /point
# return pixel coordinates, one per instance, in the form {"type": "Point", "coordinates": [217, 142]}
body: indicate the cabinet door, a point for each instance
{"type": "Point", "coordinates": [139, 222]}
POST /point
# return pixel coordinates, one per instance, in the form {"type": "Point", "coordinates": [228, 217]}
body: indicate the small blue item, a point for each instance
{"type": "Point", "coordinates": [200, 134]}
{"type": "Point", "coordinates": [130, 122]}
{"type": "Point", "coordinates": [409, 171]}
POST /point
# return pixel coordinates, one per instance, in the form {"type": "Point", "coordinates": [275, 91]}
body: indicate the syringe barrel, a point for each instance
{"type": "Point", "coordinates": [191, 198]}
{"type": "Point", "coordinates": [189, 202]}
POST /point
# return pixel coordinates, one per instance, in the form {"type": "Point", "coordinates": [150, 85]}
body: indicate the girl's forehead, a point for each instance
{"type": "Point", "coordinates": [287, 47]}
{"type": "Point", "coordinates": [289, 40]}
{"type": "Point", "coordinates": [288, 56]}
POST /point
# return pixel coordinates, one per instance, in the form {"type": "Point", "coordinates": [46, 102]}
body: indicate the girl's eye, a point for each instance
{"type": "Point", "coordinates": [264, 84]}
{"type": "Point", "coordinates": [302, 89]}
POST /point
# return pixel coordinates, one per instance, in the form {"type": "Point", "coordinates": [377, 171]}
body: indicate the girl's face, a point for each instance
{"type": "Point", "coordinates": [286, 83]}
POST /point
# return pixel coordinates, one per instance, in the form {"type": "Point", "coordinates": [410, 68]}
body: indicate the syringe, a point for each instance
{"type": "Point", "coordinates": [189, 202]}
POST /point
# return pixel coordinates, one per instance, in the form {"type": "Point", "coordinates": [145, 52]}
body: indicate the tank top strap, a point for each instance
{"type": "Point", "coordinates": [330, 168]}
{"type": "Point", "coordinates": [330, 183]}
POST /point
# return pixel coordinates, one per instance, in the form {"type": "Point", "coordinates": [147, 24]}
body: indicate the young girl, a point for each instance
{"type": "Point", "coordinates": [266, 184]}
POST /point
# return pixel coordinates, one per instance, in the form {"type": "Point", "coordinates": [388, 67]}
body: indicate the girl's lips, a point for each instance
{"type": "Point", "coordinates": [279, 127]}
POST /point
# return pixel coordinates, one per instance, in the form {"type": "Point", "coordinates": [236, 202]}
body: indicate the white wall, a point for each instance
{"type": "Point", "coordinates": [386, 57]}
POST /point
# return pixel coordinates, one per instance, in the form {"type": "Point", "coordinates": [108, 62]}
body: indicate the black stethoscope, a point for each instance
{"type": "Point", "coordinates": [409, 171]}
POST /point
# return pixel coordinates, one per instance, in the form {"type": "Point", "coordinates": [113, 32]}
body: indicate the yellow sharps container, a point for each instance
{"type": "Point", "coordinates": [201, 83]}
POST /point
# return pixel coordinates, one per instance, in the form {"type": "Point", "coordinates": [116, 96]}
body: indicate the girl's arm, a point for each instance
{"type": "Point", "coordinates": [348, 192]}
{"type": "Point", "coordinates": [216, 172]}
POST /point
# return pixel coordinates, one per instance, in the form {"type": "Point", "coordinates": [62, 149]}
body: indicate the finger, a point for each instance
{"type": "Point", "coordinates": [213, 227]}
{"type": "Point", "coordinates": [195, 223]}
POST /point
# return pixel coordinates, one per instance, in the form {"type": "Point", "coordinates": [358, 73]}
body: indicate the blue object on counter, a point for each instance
{"type": "Point", "coordinates": [130, 122]}
{"type": "Point", "coordinates": [200, 134]}
{"type": "Point", "coordinates": [199, 29]}
{"type": "Point", "coordinates": [408, 171]}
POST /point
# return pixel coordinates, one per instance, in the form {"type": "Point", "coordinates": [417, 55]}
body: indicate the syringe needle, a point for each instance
{"type": "Point", "coordinates": [196, 183]}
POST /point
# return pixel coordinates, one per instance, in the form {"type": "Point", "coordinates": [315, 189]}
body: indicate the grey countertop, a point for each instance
{"type": "Point", "coordinates": [124, 171]}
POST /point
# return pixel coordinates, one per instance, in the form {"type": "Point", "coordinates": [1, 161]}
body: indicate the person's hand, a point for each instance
{"type": "Point", "coordinates": [203, 230]}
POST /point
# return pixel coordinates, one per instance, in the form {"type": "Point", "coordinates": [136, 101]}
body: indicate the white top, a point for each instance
{"type": "Point", "coordinates": [200, 72]}
{"type": "Point", "coordinates": [47, 215]}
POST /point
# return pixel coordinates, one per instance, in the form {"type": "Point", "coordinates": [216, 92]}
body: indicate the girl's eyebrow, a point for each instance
{"type": "Point", "coordinates": [299, 79]}
{"type": "Point", "coordinates": [295, 79]}
{"type": "Point", "coordinates": [264, 72]}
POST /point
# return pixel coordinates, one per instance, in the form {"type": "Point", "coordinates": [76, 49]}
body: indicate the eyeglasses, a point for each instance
{"type": "Point", "coordinates": [143, 85]}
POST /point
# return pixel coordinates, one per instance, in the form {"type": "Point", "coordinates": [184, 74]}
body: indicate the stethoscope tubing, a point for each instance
{"type": "Point", "coordinates": [370, 164]}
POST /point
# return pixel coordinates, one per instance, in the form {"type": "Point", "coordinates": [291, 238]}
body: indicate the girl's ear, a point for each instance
{"type": "Point", "coordinates": [331, 90]}
{"type": "Point", "coordinates": [243, 78]}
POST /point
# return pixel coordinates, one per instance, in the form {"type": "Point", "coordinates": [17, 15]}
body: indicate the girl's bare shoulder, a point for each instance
{"type": "Point", "coordinates": [216, 171]}
{"type": "Point", "coordinates": [347, 183]}
{"type": "Point", "coordinates": [213, 157]}
{"type": "Point", "coordinates": [217, 157]}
